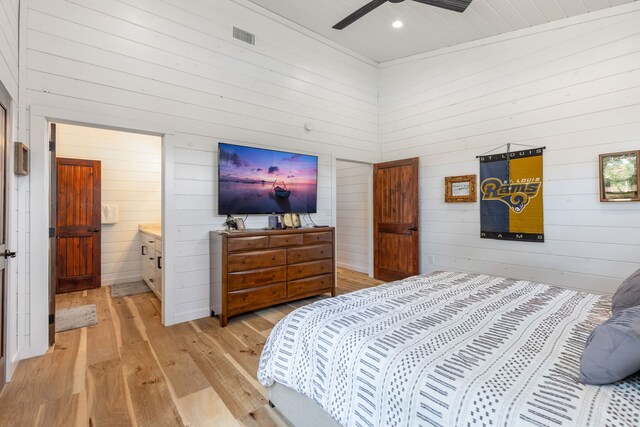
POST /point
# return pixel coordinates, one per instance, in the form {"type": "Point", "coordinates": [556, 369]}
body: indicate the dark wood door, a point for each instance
{"type": "Point", "coordinates": [77, 225]}
{"type": "Point", "coordinates": [3, 248]}
{"type": "Point", "coordinates": [395, 220]}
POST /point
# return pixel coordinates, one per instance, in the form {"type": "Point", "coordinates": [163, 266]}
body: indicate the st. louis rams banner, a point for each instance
{"type": "Point", "coordinates": [511, 196]}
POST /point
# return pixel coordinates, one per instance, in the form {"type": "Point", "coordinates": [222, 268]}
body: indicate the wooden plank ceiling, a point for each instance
{"type": "Point", "coordinates": [425, 28]}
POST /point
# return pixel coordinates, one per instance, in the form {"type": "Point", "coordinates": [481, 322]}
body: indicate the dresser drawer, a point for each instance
{"type": "Point", "coordinates": [252, 279]}
{"type": "Point", "coordinates": [254, 260]}
{"type": "Point", "coordinates": [311, 285]}
{"type": "Point", "coordinates": [309, 253]}
{"type": "Point", "coordinates": [285, 240]}
{"type": "Point", "coordinates": [308, 269]}
{"type": "Point", "coordinates": [241, 301]}
{"type": "Point", "coordinates": [247, 243]}
{"type": "Point", "coordinates": [324, 236]}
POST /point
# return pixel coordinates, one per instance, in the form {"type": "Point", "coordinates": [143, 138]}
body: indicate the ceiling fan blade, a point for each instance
{"type": "Point", "coordinates": [455, 5]}
{"type": "Point", "coordinates": [358, 14]}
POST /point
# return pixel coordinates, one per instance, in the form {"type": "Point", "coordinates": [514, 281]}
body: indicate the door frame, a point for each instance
{"type": "Point", "coordinates": [11, 303]}
{"type": "Point", "coordinates": [41, 117]}
{"type": "Point", "coordinates": [334, 206]}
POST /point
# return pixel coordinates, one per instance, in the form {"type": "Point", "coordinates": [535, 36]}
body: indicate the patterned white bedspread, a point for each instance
{"type": "Point", "coordinates": [449, 349]}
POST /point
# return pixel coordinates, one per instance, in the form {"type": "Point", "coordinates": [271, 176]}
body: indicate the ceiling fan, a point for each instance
{"type": "Point", "coordinates": [455, 5]}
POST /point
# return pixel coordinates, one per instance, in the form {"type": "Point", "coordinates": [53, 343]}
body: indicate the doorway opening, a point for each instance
{"type": "Point", "coordinates": [354, 217]}
{"type": "Point", "coordinates": [106, 208]}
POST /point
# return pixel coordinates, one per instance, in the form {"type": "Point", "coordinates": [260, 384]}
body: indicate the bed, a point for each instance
{"type": "Point", "coordinates": [444, 349]}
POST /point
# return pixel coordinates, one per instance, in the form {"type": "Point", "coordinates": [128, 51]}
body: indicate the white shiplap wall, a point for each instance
{"type": "Point", "coordinates": [175, 63]}
{"type": "Point", "coordinates": [9, 12]}
{"type": "Point", "coordinates": [353, 225]}
{"type": "Point", "coordinates": [573, 87]}
{"type": "Point", "coordinates": [131, 179]}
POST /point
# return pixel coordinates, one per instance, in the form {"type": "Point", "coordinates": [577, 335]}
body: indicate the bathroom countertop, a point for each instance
{"type": "Point", "coordinates": [152, 229]}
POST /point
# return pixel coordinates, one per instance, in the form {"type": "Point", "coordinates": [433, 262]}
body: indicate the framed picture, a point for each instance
{"type": "Point", "coordinates": [619, 177]}
{"type": "Point", "coordinates": [460, 189]}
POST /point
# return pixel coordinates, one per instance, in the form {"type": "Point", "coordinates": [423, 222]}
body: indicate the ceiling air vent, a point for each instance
{"type": "Point", "coordinates": [244, 36]}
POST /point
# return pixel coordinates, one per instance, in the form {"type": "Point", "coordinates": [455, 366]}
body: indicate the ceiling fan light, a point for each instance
{"type": "Point", "coordinates": [397, 24]}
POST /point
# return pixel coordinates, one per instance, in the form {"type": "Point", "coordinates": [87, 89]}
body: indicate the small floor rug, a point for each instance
{"type": "Point", "coordinates": [126, 289]}
{"type": "Point", "coordinates": [76, 317]}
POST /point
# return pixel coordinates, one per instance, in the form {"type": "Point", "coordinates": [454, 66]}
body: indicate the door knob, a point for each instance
{"type": "Point", "coordinates": [9, 254]}
{"type": "Point", "coordinates": [413, 229]}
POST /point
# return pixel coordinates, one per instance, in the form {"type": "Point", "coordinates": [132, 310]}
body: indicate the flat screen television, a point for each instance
{"type": "Point", "coordinates": [259, 181]}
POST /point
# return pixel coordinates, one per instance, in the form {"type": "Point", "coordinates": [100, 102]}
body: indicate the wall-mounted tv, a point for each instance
{"type": "Point", "coordinates": [259, 181]}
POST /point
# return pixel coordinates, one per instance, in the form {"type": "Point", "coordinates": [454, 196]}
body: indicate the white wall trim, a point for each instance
{"type": "Point", "coordinates": [334, 216]}
{"type": "Point", "coordinates": [9, 311]}
{"type": "Point", "coordinates": [371, 227]}
{"type": "Point", "coordinates": [22, 135]}
{"type": "Point", "coordinates": [38, 280]}
{"type": "Point", "coordinates": [168, 228]}
{"type": "Point", "coordinates": [334, 192]}
{"type": "Point", "coordinates": [39, 215]}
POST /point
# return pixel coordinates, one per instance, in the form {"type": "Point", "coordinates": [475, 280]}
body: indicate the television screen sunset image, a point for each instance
{"type": "Point", "coordinates": [259, 181]}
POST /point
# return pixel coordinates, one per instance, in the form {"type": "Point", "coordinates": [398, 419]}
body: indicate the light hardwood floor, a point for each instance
{"type": "Point", "coordinates": [130, 370]}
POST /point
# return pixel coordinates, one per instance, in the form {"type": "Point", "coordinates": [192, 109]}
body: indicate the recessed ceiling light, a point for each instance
{"type": "Point", "coordinates": [397, 24]}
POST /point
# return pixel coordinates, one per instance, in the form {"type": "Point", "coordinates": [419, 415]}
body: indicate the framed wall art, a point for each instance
{"type": "Point", "coordinates": [460, 189]}
{"type": "Point", "coordinates": [619, 177]}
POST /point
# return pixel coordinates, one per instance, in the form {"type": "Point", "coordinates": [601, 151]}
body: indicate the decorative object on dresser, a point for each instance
{"type": "Point", "coordinates": [620, 177]}
{"type": "Point", "coordinates": [262, 268]}
{"type": "Point", "coordinates": [151, 258]}
{"type": "Point", "coordinates": [460, 189]}
{"type": "Point", "coordinates": [274, 222]}
{"type": "Point", "coordinates": [291, 220]}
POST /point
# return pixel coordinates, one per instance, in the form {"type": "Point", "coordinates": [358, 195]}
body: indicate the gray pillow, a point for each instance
{"type": "Point", "coordinates": [628, 294]}
{"type": "Point", "coordinates": [612, 352]}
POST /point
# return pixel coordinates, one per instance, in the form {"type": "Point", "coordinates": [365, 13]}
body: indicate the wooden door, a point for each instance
{"type": "Point", "coordinates": [395, 220]}
{"type": "Point", "coordinates": [77, 225]}
{"type": "Point", "coordinates": [4, 253]}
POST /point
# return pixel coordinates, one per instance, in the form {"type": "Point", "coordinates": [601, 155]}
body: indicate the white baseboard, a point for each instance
{"type": "Point", "coordinates": [358, 268]}
{"type": "Point", "coordinates": [11, 367]}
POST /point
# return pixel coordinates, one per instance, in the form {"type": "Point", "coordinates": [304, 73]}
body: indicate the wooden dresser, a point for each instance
{"type": "Point", "coordinates": [261, 268]}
